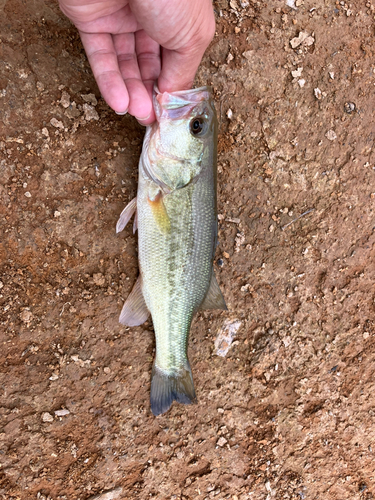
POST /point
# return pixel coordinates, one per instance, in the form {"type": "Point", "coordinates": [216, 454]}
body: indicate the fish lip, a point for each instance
{"type": "Point", "coordinates": [206, 88]}
{"type": "Point", "coordinates": [180, 104]}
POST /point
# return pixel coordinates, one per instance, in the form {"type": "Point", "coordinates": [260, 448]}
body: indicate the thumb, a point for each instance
{"type": "Point", "coordinates": [180, 65]}
{"type": "Point", "coordinates": [178, 69]}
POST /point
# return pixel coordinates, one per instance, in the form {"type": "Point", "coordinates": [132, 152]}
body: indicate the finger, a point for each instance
{"type": "Point", "coordinates": [178, 70]}
{"type": "Point", "coordinates": [103, 61]}
{"type": "Point", "coordinates": [149, 62]}
{"type": "Point", "coordinates": [140, 104]}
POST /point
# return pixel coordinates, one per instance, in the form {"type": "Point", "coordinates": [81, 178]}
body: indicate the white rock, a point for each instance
{"type": "Point", "coordinates": [303, 39]}
{"type": "Point", "coordinates": [62, 413]}
{"type": "Point", "coordinates": [90, 98]}
{"type": "Point", "coordinates": [114, 494]}
{"type": "Point", "coordinates": [26, 316]}
{"type": "Point", "coordinates": [65, 100]}
{"type": "Point", "coordinates": [90, 112]}
{"type": "Point", "coordinates": [226, 335]}
{"type": "Point", "coordinates": [297, 73]}
{"type": "Point", "coordinates": [47, 417]}
{"type": "Point", "coordinates": [221, 441]}
{"type": "Point", "coordinates": [318, 93]}
{"type": "Point", "coordinates": [56, 123]}
{"type": "Point", "coordinates": [331, 135]}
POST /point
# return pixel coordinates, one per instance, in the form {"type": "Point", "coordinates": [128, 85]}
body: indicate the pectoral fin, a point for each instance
{"type": "Point", "coordinates": [214, 298]}
{"type": "Point", "coordinates": [126, 215]}
{"type": "Point", "coordinates": [160, 213]}
{"type": "Point", "coordinates": [135, 311]}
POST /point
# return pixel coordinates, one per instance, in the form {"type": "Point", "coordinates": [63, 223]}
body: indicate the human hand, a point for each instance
{"type": "Point", "coordinates": [131, 44]}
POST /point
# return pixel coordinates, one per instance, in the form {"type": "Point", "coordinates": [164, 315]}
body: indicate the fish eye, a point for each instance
{"type": "Point", "coordinates": [198, 126]}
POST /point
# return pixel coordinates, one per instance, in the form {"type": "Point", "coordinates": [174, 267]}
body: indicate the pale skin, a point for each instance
{"type": "Point", "coordinates": [133, 44]}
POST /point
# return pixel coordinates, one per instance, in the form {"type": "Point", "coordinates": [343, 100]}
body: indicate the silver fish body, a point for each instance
{"type": "Point", "coordinates": [177, 233]}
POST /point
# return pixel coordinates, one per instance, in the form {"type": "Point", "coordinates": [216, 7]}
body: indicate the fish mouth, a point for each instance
{"type": "Point", "coordinates": [180, 104]}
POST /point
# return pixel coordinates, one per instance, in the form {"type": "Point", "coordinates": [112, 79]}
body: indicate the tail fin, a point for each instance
{"type": "Point", "coordinates": [169, 387]}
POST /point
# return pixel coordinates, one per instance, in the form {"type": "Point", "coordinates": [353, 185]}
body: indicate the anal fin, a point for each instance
{"type": "Point", "coordinates": [214, 298]}
{"type": "Point", "coordinates": [135, 311]}
{"type": "Point", "coordinates": [126, 215]}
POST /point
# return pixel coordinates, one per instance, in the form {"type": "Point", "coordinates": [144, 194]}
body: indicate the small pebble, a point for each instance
{"type": "Point", "coordinates": [115, 494]}
{"type": "Point", "coordinates": [28, 194]}
{"type": "Point", "coordinates": [318, 93]}
{"type": "Point", "coordinates": [98, 279]}
{"type": "Point", "coordinates": [90, 113]}
{"type": "Point", "coordinates": [221, 441]}
{"type": "Point", "coordinates": [90, 98]}
{"type": "Point", "coordinates": [26, 316]}
{"type": "Point", "coordinates": [225, 336]}
{"type": "Point", "coordinates": [47, 417]}
{"type": "Point", "coordinates": [349, 107]}
{"type": "Point", "coordinates": [62, 413]}
{"type": "Point", "coordinates": [297, 73]}
{"type": "Point", "coordinates": [65, 99]}
{"type": "Point", "coordinates": [291, 4]}
{"type": "Point", "coordinates": [331, 135]}
{"type": "Point", "coordinates": [56, 123]}
{"type": "Point", "coordinates": [234, 220]}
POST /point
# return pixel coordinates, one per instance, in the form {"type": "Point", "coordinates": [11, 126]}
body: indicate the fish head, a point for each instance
{"type": "Point", "coordinates": [185, 129]}
{"type": "Point", "coordinates": [186, 121]}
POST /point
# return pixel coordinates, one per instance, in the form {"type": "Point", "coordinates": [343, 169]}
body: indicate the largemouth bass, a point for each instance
{"type": "Point", "coordinates": [176, 215]}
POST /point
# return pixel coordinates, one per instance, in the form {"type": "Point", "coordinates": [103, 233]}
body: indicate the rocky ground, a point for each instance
{"type": "Point", "coordinates": [288, 411]}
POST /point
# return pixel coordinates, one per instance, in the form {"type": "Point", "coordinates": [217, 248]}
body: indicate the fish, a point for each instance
{"type": "Point", "coordinates": [176, 216]}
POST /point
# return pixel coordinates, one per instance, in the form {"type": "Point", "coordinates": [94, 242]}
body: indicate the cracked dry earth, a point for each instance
{"type": "Point", "coordinates": [288, 412]}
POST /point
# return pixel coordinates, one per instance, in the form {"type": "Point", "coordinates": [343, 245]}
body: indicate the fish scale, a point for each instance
{"type": "Point", "coordinates": [177, 231]}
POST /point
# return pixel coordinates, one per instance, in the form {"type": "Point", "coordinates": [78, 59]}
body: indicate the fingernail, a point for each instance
{"type": "Point", "coordinates": [143, 119]}
{"type": "Point", "coordinates": [121, 113]}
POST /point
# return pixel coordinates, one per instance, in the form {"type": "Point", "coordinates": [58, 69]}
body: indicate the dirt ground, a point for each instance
{"type": "Point", "coordinates": [289, 412]}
